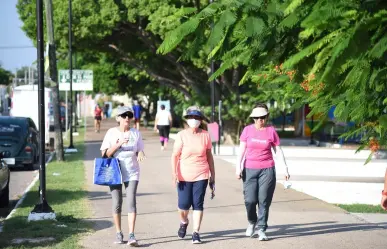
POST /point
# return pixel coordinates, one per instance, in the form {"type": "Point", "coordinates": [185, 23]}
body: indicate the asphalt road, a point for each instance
{"type": "Point", "coordinates": [20, 179]}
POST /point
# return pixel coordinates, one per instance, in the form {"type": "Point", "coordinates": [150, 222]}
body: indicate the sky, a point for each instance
{"type": "Point", "coordinates": [11, 35]}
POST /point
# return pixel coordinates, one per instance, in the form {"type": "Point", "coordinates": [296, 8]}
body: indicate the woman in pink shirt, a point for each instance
{"type": "Point", "coordinates": [192, 170]}
{"type": "Point", "coordinates": [257, 170]}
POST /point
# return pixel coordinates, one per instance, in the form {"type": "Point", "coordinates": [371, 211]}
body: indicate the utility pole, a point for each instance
{"type": "Point", "coordinates": [54, 78]}
{"type": "Point", "coordinates": [41, 210]}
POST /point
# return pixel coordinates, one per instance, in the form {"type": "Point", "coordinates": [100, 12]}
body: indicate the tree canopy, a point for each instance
{"type": "Point", "coordinates": [325, 52]}
{"type": "Point", "coordinates": [5, 76]}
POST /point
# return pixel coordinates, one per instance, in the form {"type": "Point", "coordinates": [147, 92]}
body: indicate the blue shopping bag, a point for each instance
{"type": "Point", "coordinates": [107, 171]}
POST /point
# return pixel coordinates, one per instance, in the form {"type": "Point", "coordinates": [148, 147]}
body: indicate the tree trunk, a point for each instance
{"type": "Point", "coordinates": [54, 77]}
{"type": "Point", "coordinates": [283, 120]}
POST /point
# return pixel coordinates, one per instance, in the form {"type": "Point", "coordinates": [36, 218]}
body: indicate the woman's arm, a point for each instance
{"type": "Point", "coordinates": [280, 155]}
{"type": "Point", "coordinates": [210, 160]}
{"type": "Point", "coordinates": [174, 162]}
{"type": "Point", "coordinates": [239, 166]}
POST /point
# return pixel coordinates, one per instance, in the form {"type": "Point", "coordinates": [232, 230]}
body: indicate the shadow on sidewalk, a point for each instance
{"type": "Point", "coordinates": [99, 195]}
{"type": "Point", "coordinates": [310, 229]}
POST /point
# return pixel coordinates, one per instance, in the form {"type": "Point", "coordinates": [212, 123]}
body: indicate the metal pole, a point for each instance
{"type": "Point", "coordinates": [67, 114]}
{"type": "Point", "coordinates": [43, 206]}
{"type": "Point", "coordinates": [71, 146]}
{"type": "Point", "coordinates": [220, 124]}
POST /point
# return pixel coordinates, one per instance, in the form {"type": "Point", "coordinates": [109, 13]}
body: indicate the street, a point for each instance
{"type": "Point", "coordinates": [20, 180]}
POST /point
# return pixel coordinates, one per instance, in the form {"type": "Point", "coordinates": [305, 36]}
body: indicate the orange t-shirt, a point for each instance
{"type": "Point", "coordinates": [192, 151]}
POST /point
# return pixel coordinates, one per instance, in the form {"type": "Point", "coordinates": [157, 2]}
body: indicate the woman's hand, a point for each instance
{"type": "Point", "coordinates": [122, 141]}
{"type": "Point", "coordinates": [287, 176]}
{"type": "Point", "coordinates": [141, 156]}
{"type": "Point", "coordinates": [175, 180]}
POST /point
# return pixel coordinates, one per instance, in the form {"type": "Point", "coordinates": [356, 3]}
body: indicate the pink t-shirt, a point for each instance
{"type": "Point", "coordinates": [192, 151]}
{"type": "Point", "coordinates": [258, 146]}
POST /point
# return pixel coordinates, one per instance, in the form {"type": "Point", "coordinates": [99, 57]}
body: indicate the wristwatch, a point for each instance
{"type": "Point", "coordinates": [384, 193]}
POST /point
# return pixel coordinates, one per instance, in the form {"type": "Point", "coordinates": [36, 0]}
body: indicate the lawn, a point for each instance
{"type": "Point", "coordinates": [66, 194]}
{"type": "Point", "coordinates": [362, 208]}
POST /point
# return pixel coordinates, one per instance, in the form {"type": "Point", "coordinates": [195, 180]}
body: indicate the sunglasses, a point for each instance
{"type": "Point", "coordinates": [128, 114]}
{"type": "Point", "coordinates": [194, 117]}
{"type": "Point", "coordinates": [261, 117]}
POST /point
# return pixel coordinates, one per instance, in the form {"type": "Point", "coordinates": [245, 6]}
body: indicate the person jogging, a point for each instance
{"type": "Point", "coordinates": [98, 115]}
{"type": "Point", "coordinates": [163, 124]}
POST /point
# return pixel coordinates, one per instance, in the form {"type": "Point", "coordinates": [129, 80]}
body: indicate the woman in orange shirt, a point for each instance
{"type": "Point", "coordinates": [192, 170]}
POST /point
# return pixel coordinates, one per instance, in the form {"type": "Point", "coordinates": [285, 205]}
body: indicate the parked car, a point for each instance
{"type": "Point", "coordinates": [4, 180]}
{"type": "Point", "coordinates": [19, 136]}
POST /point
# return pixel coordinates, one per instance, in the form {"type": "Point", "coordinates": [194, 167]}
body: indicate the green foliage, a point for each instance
{"type": "Point", "coordinates": [5, 76]}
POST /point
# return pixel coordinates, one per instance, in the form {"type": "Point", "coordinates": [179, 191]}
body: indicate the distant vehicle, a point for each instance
{"type": "Point", "coordinates": [4, 180]}
{"type": "Point", "coordinates": [19, 137]}
{"type": "Point", "coordinates": [24, 103]}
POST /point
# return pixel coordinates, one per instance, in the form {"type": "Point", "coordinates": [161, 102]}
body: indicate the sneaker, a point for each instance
{"type": "Point", "coordinates": [162, 148]}
{"type": "Point", "coordinates": [196, 238]}
{"type": "Point", "coordinates": [262, 235]}
{"type": "Point", "coordinates": [132, 240]}
{"type": "Point", "coordinates": [250, 230]}
{"type": "Point", "coordinates": [182, 230]}
{"type": "Point", "coordinates": [119, 238]}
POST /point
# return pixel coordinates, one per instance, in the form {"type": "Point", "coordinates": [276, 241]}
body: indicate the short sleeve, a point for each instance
{"type": "Point", "coordinates": [106, 143]}
{"type": "Point", "coordinates": [140, 142]}
{"type": "Point", "coordinates": [178, 145]}
{"type": "Point", "coordinates": [209, 143]}
{"type": "Point", "coordinates": [276, 139]}
{"type": "Point", "coordinates": [243, 137]}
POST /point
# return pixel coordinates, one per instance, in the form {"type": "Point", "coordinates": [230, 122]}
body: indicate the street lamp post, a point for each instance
{"type": "Point", "coordinates": [213, 91]}
{"type": "Point", "coordinates": [41, 210]}
{"type": "Point", "coordinates": [71, 146]}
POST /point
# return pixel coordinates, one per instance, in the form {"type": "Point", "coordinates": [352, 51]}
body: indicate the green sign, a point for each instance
{"type": "Point", "coordinates": [82, 80]}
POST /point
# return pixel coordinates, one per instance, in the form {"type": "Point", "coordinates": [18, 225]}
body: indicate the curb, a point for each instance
{"type": "Point", "coordinates": [20, 201]}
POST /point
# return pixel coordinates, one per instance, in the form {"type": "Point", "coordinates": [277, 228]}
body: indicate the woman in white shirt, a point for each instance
{"type": "Point", "coordinates": [126, 144]}
{"type": "Point", "coordinates": [163, 124]}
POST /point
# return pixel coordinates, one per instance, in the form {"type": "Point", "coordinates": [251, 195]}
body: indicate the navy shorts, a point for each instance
{"type": "Point", "coordinates": [191, 194]}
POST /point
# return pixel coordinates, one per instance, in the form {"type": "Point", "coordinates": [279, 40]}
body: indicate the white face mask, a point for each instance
{"type": "Point", "coordinates": [193, 123]}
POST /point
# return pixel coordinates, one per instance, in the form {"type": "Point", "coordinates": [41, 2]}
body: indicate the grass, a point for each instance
{"type": "Point", "coordinates": [66, 195]}
{"type": "Point", "coordinates": [362, 208]}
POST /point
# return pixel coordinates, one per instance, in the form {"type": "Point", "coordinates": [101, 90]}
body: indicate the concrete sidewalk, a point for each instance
{"type": "Point", "coordinates": [296, 219]}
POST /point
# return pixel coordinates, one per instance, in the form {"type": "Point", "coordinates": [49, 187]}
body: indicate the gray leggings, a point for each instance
{"type": "Point", "coordinates": [131, 191]}
{"type": "Point", "coordinates": [258, 188]}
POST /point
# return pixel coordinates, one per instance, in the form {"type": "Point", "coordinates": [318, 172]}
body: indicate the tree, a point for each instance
{"type": "Point", "coordinates": [336, 51]}
{"type": "Point", "coordinates": [5, 76]}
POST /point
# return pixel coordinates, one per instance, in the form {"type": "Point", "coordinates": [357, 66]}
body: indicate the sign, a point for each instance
{"type": "Point", "coordinates": [82, 80]}
{"type": "Point", "coordinates": [213, 129]}
{"type": "Point", "coordinates": [166, 103]}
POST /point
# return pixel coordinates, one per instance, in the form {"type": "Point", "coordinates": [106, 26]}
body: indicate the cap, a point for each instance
{"type": "Point", "coordinates": [259, 112]}
{"type": "Point", "coordinates": [123, 109]}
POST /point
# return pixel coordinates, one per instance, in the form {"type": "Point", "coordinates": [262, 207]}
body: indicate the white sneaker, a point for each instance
{"type": "Point", "coordinates": [162, 148]}
{"type": "Point", "coordinates": [250, 230]}
{"type": "Point", "coordinates": [262, 235]}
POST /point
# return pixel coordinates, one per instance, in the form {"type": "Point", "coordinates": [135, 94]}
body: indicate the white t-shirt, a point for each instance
{"type": "Point", "coordinates": [163, 117]}
{"type": "Point", "coordinates": [126, 155]}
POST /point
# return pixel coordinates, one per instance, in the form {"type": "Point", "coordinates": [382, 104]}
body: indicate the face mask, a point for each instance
{"type": "Point", "coordinates": [193, 123]}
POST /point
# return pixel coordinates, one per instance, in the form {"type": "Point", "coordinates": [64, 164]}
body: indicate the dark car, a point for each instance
{"type": "Point", "coordinates": [4, 180]}
{"type": "Point", "coordinates": [19, 136]}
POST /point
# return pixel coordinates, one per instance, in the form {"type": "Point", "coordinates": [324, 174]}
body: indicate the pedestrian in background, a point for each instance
{"type": "Point", "coordinates": [163, 123]}
{"type": "Point", "coordinates": [127, 145]}
{"type": "Point", "coordinates": [384, 193]}
{"type": "Point", "coordinates": [257, 169]}
{"type": "Point", "coordinates": [137, 114]}
{"type": "Point", "coordinates": [192, 170]}
{"type": "Point", "coordinates": [98, 115]}
{"type": "Point", "coordinates": [106, 110]}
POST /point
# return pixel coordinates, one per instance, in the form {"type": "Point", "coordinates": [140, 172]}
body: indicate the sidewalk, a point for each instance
{"type": "Point", "coordinates": [296, 219]}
